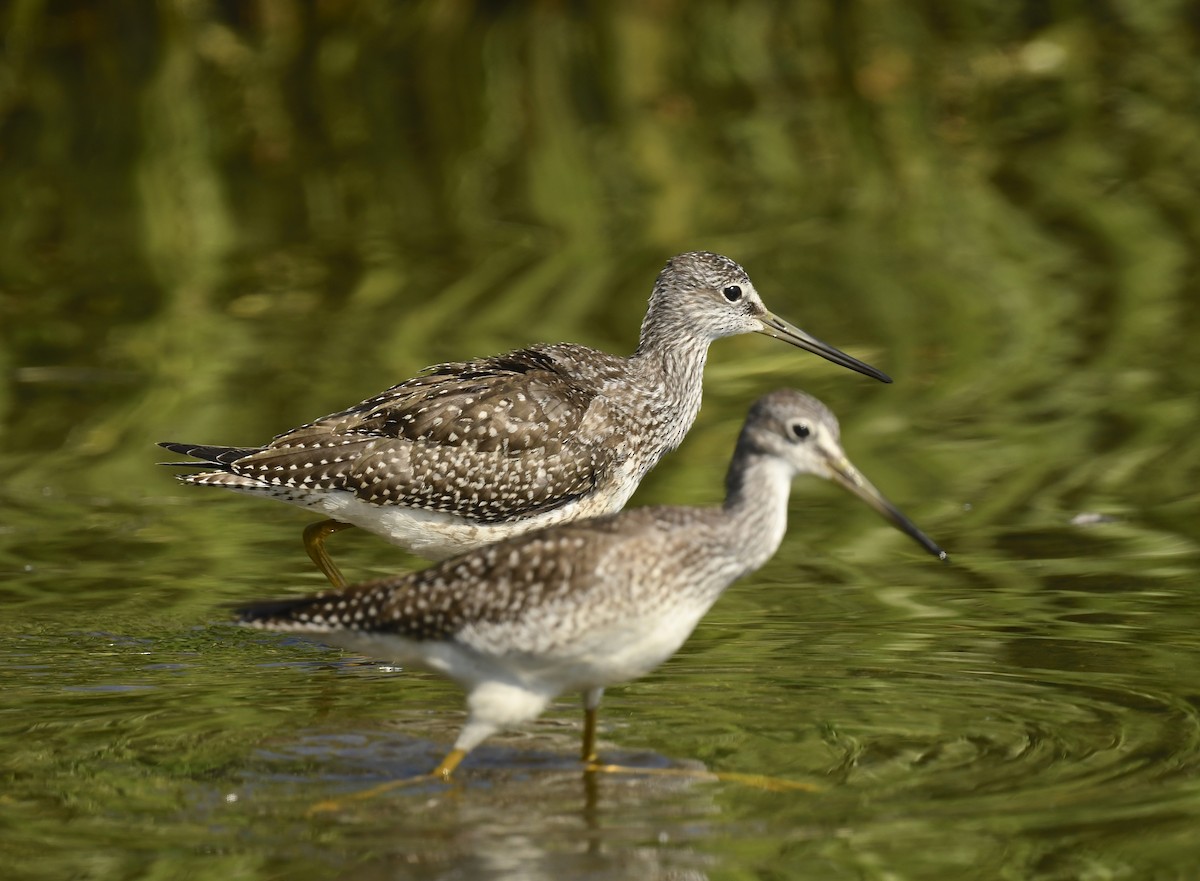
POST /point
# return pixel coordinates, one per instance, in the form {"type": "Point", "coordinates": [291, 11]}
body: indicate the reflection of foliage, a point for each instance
{"type": "Point", "coordinates": [223, 220]}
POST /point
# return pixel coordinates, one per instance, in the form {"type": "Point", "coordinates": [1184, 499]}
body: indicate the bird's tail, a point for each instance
{"type": "Point", "coordinates": [274, 614]}
{"type": "Point", "coordinates": [207, 456]}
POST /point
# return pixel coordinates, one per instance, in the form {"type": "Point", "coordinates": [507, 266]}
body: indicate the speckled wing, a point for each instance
{"type": "Point", "coordinates": [489, 440]}
{"type": "Point", "coordinates": [517, 595]}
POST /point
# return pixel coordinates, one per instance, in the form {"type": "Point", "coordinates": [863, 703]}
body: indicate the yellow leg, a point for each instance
{"type": "Point", "coordinates": [452, 760]}
{"type": "Point", "coordinates": [591, 706]}
{"type": "Point", "coordinates": [589, 736]}
{"type": "Point", "coordinates": [441, 773]}
{"type": "Point", "coordinates": [314, 542]}
{"type": "Point", "coordinates": [758, 781]}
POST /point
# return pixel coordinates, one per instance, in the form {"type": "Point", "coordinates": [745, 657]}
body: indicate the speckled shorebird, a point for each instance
{"type": "Point", "coordinates": [583, 605]}
{"type": "Point", "coordinates": [469, 453]}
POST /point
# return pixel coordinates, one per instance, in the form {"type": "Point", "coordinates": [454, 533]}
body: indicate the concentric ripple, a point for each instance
{"type": "Point", "coordinates": [987, 735]}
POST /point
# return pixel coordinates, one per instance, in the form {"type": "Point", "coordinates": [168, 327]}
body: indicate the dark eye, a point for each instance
{"type": "Point", "coordinates": [733, 293]}
{"type": "Point", "coordinates": [800, 430]}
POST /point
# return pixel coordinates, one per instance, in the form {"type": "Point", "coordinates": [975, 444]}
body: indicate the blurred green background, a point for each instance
{"type": "Point", "coordinates": [221, 220]}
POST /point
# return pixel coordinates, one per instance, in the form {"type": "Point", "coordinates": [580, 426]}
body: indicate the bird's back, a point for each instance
{"type": "Point", "coordinates": [535, 591]}
{"type": "Point", "coordinates": [488, 440]}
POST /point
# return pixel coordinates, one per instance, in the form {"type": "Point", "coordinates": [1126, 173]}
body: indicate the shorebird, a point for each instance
{"type": "Point", "coordinates": [468, 453]}
{"type": "Point", "coordinates": [583, 605]}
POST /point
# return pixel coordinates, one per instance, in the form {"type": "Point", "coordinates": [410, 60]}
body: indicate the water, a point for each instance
{"type": "Point", "coordinates": [217, 228]}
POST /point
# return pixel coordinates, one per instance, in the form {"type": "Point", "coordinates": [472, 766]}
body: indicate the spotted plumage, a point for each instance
{"type": "Point", "coordinates": [488, 440]}
{"type": "Point", "coordinates": [468, 453]}
{"type": "Point", "coordinates": [582, 605]}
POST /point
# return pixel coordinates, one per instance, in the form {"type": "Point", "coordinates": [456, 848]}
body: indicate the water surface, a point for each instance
{"type": "Point", "coordinates": [220, 224]}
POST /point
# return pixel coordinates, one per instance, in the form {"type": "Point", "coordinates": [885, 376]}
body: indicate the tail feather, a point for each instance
{"type": "Point", "coordinates": [268, 613]}
{"type": "Point", "coordinates": [208, 455]}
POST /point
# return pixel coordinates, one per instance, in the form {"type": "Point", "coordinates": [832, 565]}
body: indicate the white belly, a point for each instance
{"type": "Point", "coordinates": [435, 535]}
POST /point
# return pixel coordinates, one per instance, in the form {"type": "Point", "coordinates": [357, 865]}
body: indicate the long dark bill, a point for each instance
{"type": "Point", "coordinates": [845, 474]}
{"type": "Point", "coordinates": [774, 326]}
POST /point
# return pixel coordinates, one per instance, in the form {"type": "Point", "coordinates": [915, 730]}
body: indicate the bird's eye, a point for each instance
{"type": "Point", "coordinates": [733, 293]}
{"type": "Point", "coordinates": [800, 430]}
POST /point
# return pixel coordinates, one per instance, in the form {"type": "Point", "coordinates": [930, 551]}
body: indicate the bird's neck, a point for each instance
{"type": "Point", "coordinates": [756, 501]}
{"type": "Point", "coordinates": [669, 366]}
